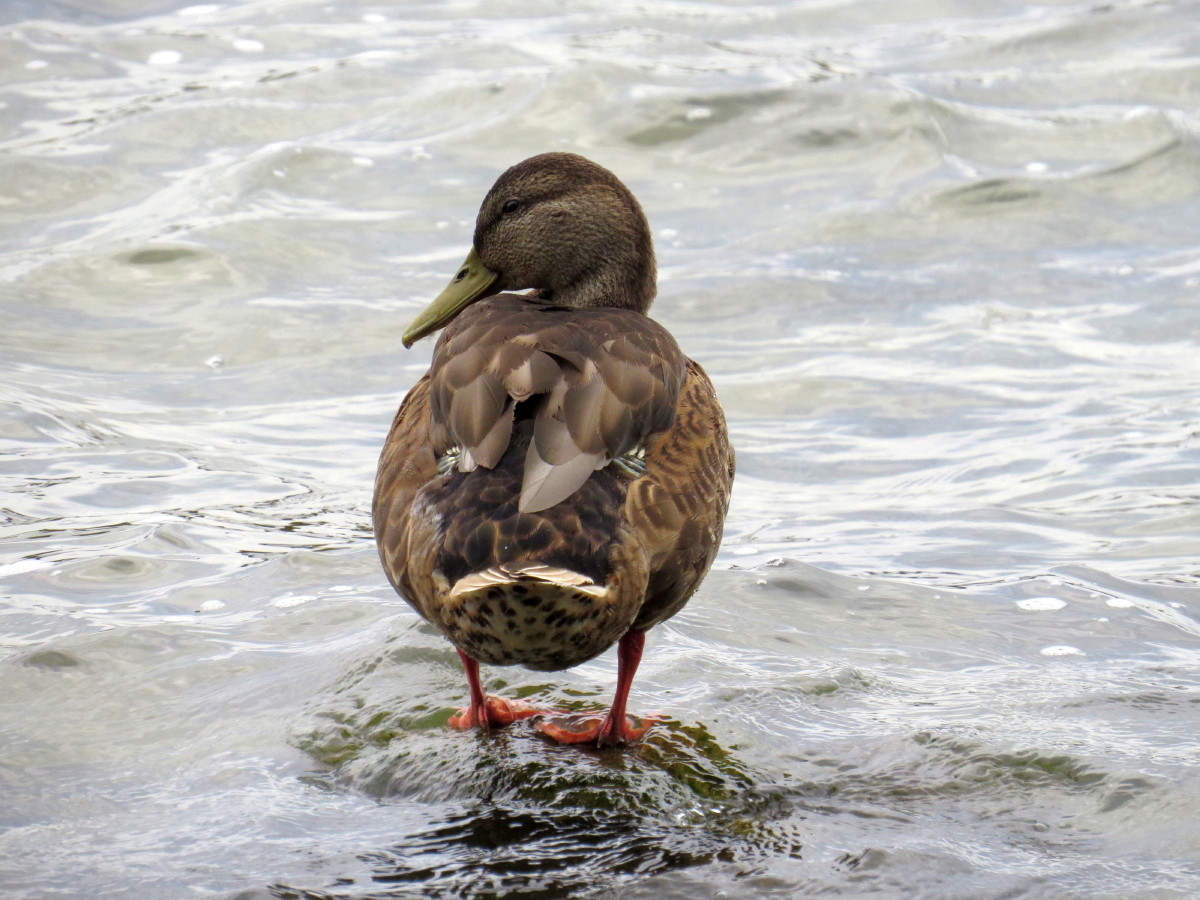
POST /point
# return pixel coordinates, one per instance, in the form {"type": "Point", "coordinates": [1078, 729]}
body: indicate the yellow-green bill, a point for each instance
{"type": "Point", "coordinates": [469, 284]}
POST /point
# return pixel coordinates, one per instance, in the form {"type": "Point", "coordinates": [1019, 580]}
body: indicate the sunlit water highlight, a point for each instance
{"type": "Point", "coordinates": [941, 261]}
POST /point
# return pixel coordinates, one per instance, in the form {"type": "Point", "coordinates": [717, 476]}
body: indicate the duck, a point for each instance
{"type": "Point", "coordinates": [558, 481]}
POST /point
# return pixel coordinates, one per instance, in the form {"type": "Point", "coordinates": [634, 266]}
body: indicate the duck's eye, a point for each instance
{"type": "Point", "coordinates": [511, 206]}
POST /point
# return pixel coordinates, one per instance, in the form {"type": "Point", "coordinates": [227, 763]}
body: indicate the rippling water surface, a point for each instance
{"type": "Point", "coordinates": [942, 260]}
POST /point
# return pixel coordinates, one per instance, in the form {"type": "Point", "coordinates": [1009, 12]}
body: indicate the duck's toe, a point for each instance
{"type": "Point", "coordinates": [496, 712]}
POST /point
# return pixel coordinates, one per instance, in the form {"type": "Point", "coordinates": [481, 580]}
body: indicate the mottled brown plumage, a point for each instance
{"type": "Point", "coordinates": [560, 477]}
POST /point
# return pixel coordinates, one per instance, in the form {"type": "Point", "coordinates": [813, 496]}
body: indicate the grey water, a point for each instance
{"type": "Point", "coordinates": [942, 261]}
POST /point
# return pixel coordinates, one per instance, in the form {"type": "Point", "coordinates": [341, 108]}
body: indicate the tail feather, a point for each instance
{"type": "Point", "coordinates": [535, 615]}
{"type": "Point", "coordinates": [536, 572]}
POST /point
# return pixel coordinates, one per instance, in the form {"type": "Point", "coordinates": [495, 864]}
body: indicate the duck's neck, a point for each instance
{"type": "Point", "coordinates": [624, 281]}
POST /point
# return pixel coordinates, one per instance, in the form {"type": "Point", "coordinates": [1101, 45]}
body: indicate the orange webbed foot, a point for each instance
{"type": "Point", "coordinates": [601, 731]}
{"type": "Point", "coordinates": [495, 712]}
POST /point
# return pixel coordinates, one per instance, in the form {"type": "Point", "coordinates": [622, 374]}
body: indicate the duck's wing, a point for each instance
{"type": "Point", "coordinates": [677, 508]}
{"type": "Point", "coordinates": [409, 461]}
{"type": "Point", "coordinates": [599, 383]}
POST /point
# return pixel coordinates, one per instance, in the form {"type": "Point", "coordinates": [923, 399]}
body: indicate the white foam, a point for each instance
{"type": "Point", "coordinates": [1041, 604]}
{"type": "Point", "coordinates": [285, 602]}
{"type": "Point", "coordinates": [1062, 650]}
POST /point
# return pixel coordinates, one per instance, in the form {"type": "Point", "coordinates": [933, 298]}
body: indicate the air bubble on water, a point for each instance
{"type": "Point", "coordinates": [1118, 603]}
{"type": "Point", "coordinates": [761, 582]}
{"type": "Point", "coordinates": [419, 153]}
{"type": "Point", "coordinates": [1062, 650]}
{"type": "Point", "coordinates": [212, 605]}
{"type": "Point", "coordinates": [1041, 604]}
{"type": "Point", "coordinates": [864, 587]}
{"type": "Point", "coordinates": [249, 45]}
{"type": "Point", "coordinates": [164, 57]}
{"type": "Point", "coordinates": [278, 173]}
{"type": "Point", "coordinates": [215, 362]}
{"type": "Point", "coordinates": [1176, 606]}
{"type": "Point", "coordinates": [698, 112]}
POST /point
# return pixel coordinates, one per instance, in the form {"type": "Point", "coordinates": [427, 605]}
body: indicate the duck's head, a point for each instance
{"type": "Point", "coordinates": [558, 223]}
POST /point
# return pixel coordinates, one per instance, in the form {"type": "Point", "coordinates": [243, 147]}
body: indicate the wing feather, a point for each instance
{"type": "Point", "coordinates": [488, 451]}
{"type": "Point", "coordinates": [546, 485]}
{"type": "Point", "coordinates": [610, 378]}
{"type": "Point", "coordinates": [474, 409]}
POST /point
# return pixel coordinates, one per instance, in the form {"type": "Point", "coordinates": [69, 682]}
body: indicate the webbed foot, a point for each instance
{"type": "Point", "coordinates": [602, 731]}
{"type": "Point", "coordinates": [494, 712]}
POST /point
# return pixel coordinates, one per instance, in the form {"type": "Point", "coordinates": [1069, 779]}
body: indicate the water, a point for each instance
{"type": "Point", "coordinates": [941, 261]}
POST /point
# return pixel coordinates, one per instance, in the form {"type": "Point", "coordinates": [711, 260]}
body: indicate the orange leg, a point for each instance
{"type": "Point", "coordinates": [487, 711]}
{"type": "Point", "coordinates": [616, 727]}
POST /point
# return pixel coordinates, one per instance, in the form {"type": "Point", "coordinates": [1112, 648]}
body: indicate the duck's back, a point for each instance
{"type": "Point", "coordinates": [557, 477]}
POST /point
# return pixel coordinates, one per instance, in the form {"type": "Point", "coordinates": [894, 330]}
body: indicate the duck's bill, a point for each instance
{"type": "Point", "coordinates": [470, 283]}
